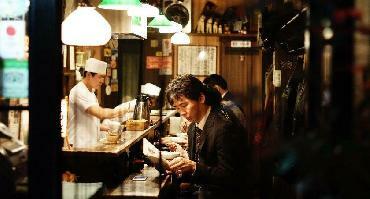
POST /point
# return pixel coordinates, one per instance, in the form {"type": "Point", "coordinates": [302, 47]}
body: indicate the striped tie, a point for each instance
{"type": "Point", "coordinates": [198, 132]}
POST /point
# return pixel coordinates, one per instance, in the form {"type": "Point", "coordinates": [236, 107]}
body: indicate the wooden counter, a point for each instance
{"type": "Point", "coordinates": [129, 139]}
{"type": "Point", "coordinates": [149, 188]}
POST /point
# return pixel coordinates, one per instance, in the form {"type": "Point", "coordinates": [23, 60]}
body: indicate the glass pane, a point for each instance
{"type": "Point", "coordinates": [14, 115]}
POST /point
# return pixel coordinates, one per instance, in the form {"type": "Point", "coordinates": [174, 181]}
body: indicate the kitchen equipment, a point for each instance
{"type": "Point", "coordinates": [113, 137]}
{"type": "Point", "coordinates": [142, 111]}
{"type": "Point", "coordinates": [136, 125]}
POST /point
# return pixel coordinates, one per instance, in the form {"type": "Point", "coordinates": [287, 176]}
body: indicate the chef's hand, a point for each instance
{"type": "Point", "coordinates": [182, 165]}
{"type": "Point", "coordinates": [120, 111]}
{"type": "Point", "coordinates": [104, 127]}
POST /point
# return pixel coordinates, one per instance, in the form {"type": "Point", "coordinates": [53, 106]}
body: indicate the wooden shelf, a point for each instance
{"type": "Point", "coordinates": [250, 35]}
{"type": "Point", "coordinates": [231, 35]}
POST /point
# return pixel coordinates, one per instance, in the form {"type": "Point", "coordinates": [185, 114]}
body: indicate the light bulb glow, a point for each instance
{"type": "Point", "coordinates": [202, 55]}
{"type": "Point", "coordinates": [327, 33]}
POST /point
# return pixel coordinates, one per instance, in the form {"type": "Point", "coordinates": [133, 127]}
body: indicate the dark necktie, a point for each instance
{"type": "Point", "coordinates": [198, 133]}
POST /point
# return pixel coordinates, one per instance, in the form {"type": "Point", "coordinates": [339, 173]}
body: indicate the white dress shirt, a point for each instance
{"type": "Point", "coordinates": [83, 128]}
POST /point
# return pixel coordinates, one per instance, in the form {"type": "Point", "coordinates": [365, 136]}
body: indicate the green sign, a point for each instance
{"type": "Point", "coordinates": [14, 78]}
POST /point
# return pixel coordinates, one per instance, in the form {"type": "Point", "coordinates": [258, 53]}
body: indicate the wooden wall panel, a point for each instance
{"type": "Point", "coordinates": [242, 69]}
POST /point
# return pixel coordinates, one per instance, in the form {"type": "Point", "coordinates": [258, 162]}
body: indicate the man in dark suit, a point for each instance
{"type": "Point", "coordinates": [217, 165]}
{"type": "Point", "coordinates": [219, 83]}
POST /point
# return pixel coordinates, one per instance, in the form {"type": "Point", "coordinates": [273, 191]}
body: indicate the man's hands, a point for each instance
{"type": "Point", "coordinates": [182, 165]}
{"type": "Point", "coordinates": [172, 146]}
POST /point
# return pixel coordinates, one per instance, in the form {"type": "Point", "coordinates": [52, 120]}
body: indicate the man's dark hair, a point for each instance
{"type": "Point", "coordinates": [215, 79]}
{"type": "Point", "coordinates": [191, 88]}
{"type": "Point", "coordinates": [85, 73]}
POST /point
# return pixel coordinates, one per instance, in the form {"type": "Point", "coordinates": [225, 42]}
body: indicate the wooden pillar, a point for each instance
{"type": "Point", "coordinates": [45, 93]}
{"type": "Point", "coordinates": [343, 64]}
{"type": "Point", "coordinates": [316, 14]}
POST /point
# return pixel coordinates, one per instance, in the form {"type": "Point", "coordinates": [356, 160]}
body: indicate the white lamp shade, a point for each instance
{"type": "Point", "coordinates": [85, 27]}
{"type": "Point", "coordinates": [145, 10]}
{"type": "Point", "coordinates": [175, 27]}
{"type": "Point", "coordinates": [180, 38]}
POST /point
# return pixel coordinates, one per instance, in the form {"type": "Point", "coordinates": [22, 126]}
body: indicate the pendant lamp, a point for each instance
{"type": "Point", "coordinates": [85, 27]}
{"type": "Point", "coordinates": [175, 27]}
{"type": "Point", "coordinates": [180, 38]}
{"type": "Point", "coordinates": [160, 21]}
{"type": "Point", "coordinates": [145, 10]}
{"type": "Point", "coordinates": [119, 4]}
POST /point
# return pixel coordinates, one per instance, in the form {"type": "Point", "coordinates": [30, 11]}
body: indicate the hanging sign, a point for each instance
{"type": "Point", "coordinates": [155, 62]}
{"type": "Point", "coordinates": [12, 37]}
{"type": "Point", "coordinates": [241, 44]}
{"type": "Point", "coordinates": [14, 76]}
{"type": "Point", "coordinates": [166, 70]}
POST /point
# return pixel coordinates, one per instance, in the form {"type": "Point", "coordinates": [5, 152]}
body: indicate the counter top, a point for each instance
{"type": "Point", "coordinates": [149, 188]}
{"type": "Point", "coordinates": [129, 139]}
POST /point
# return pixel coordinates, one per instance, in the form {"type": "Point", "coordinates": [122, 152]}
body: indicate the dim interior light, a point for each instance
{"type": "Point", "coordinates": [85, 27]}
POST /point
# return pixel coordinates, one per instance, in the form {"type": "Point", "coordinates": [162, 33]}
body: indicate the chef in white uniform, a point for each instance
{"type": "Point", "coordinates": [84, 112]}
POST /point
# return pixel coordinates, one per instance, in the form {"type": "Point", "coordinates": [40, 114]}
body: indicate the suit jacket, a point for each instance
{"type": "Point", "coordinates": [223, 153]}
{"type": "Point", "coordinates": [230, 97]}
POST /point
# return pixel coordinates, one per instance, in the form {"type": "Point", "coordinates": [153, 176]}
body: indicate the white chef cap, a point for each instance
{"type": "Point", "coordinates": [96, 66]}
{"type": "Point", "coordinates": [150, 89]}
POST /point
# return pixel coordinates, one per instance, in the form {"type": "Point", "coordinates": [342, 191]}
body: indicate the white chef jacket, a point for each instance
{"type": "Point", "coordinates": [83, 128]}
